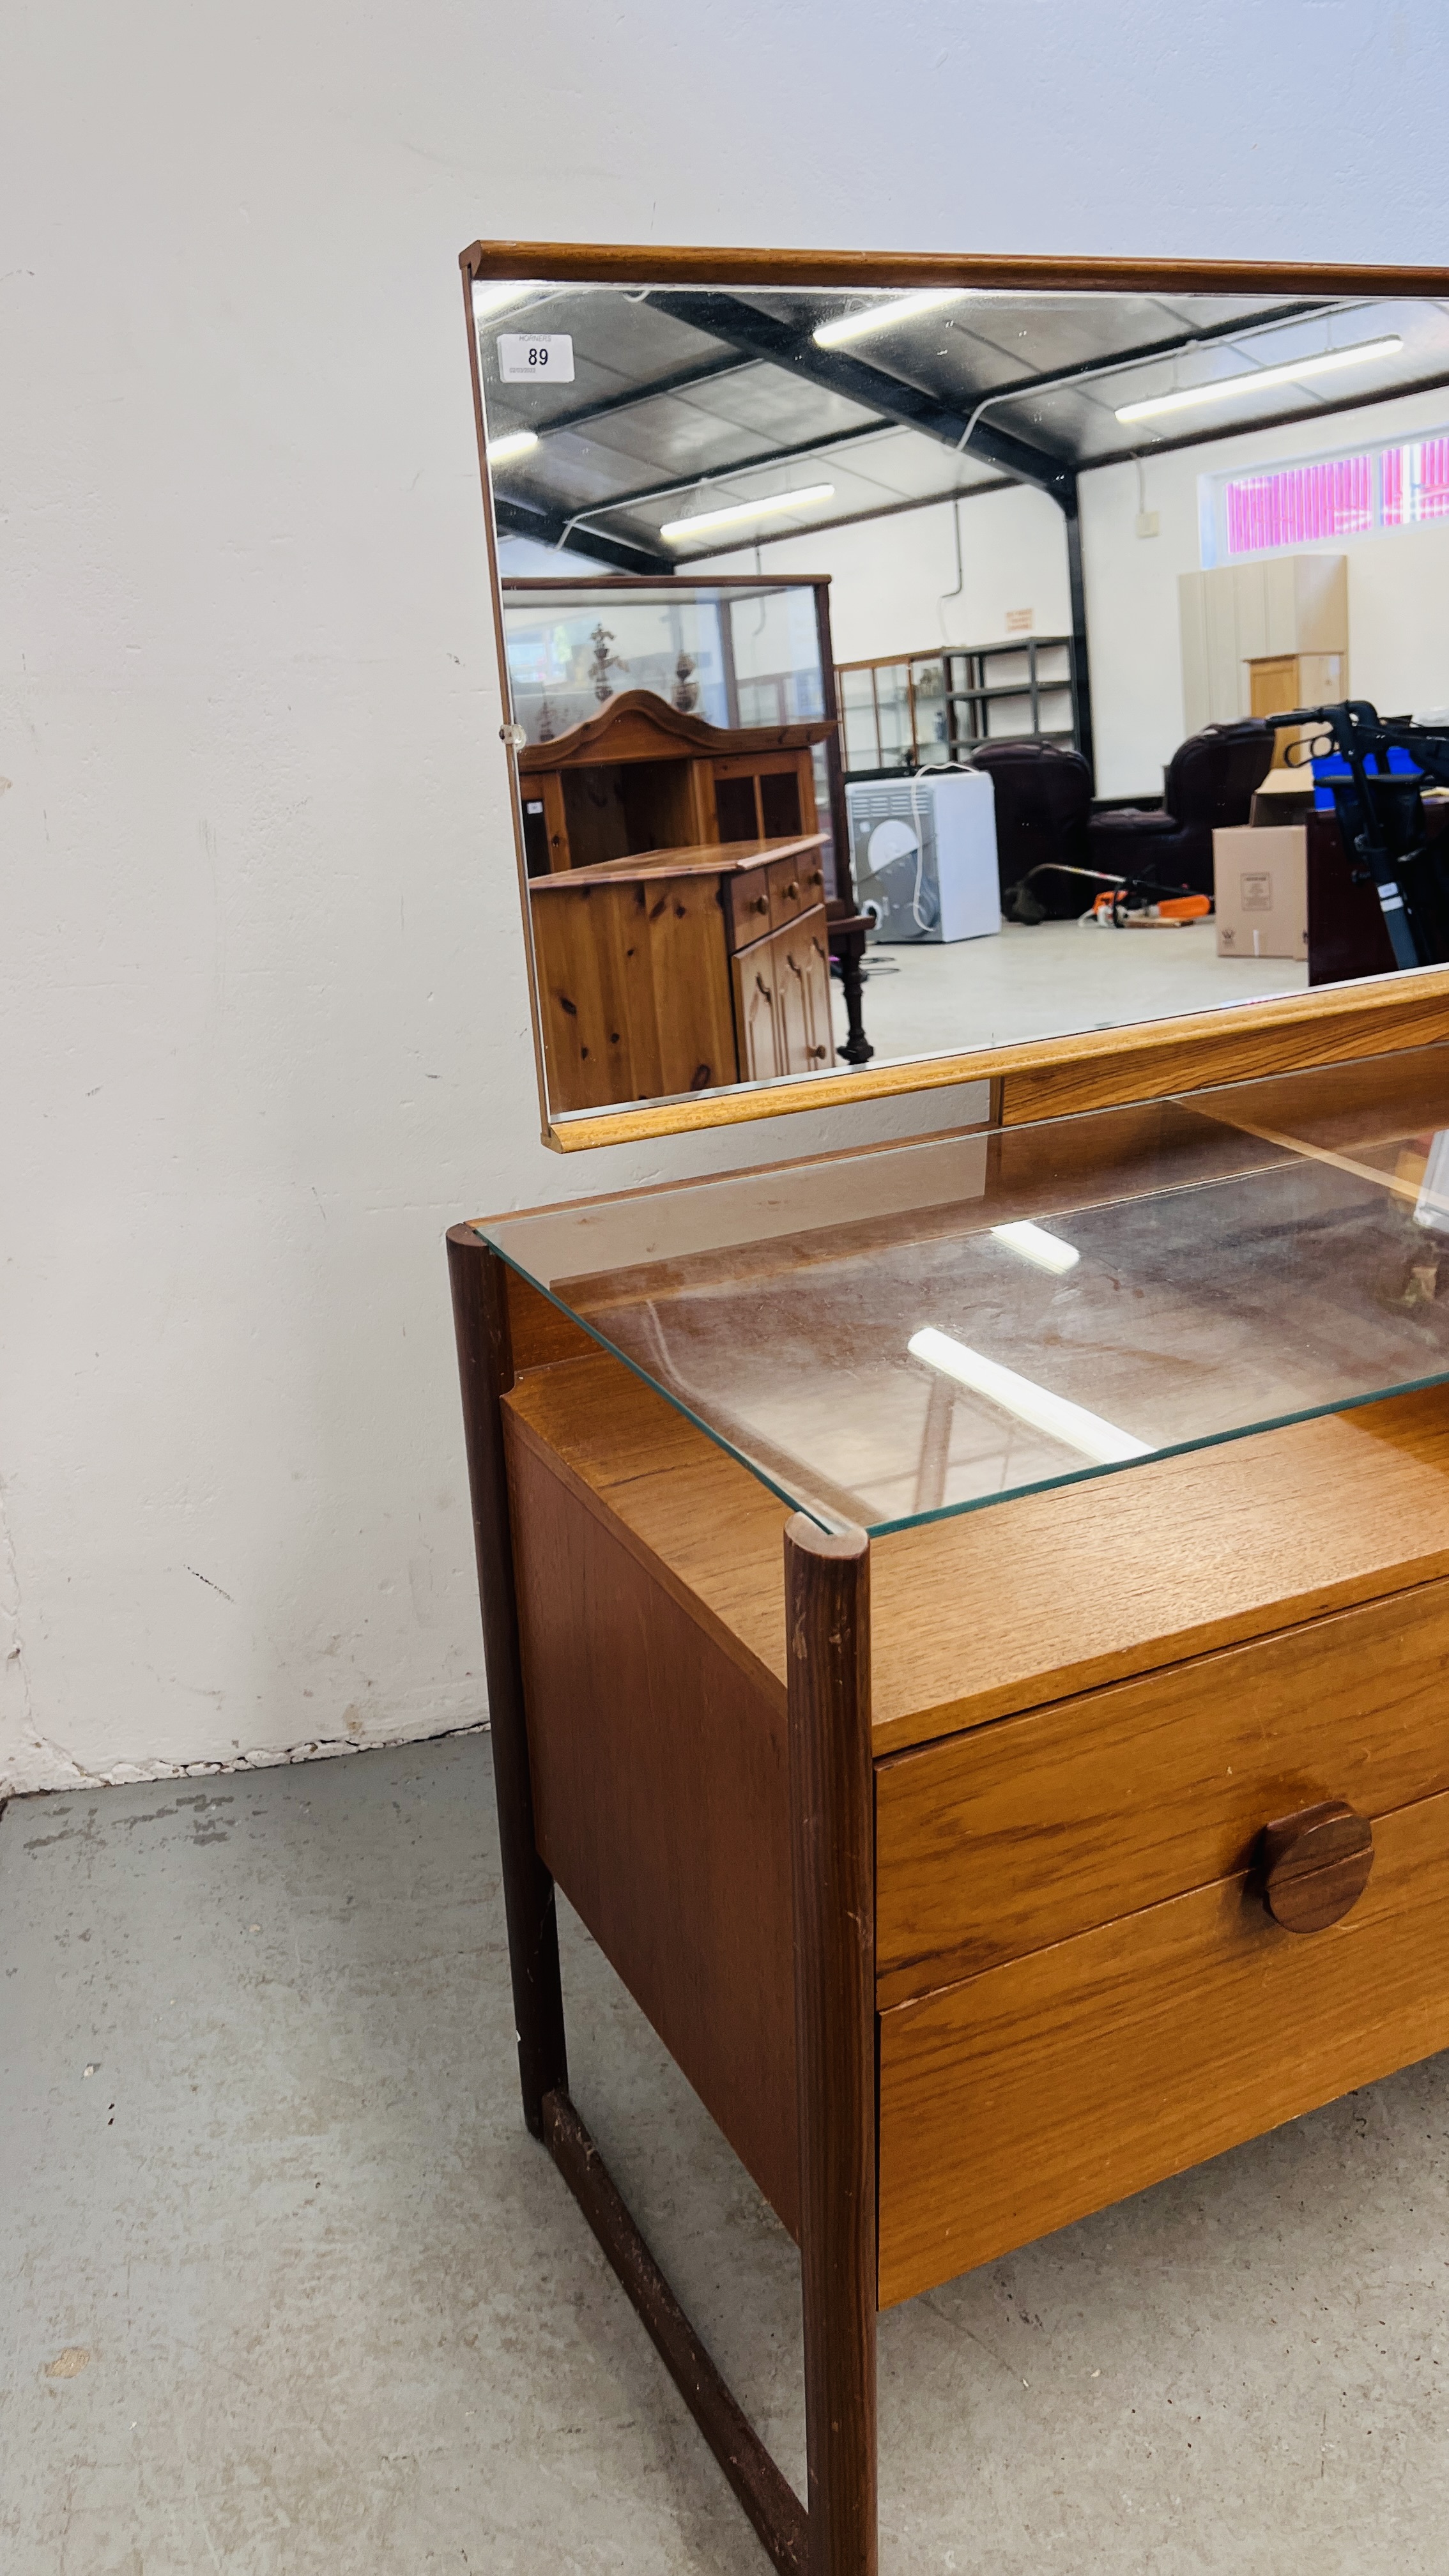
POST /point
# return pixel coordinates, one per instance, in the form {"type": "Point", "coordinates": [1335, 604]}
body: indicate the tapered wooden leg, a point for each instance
{"type": "Point", "coordinates": [827, 1632]}
{"type": "Point", "coordinates": [847, 948]}
{"type": "Point", "coordinates": [485, 1365]}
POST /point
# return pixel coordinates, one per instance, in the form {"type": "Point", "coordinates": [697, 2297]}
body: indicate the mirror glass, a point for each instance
{"type": "Point", "coordinates": [908, 673]}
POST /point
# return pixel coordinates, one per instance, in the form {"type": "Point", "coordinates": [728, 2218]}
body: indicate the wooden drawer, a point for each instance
{"type": "Point", "coordinates": [796, 886]}
{"type": "Point", "coordinates": [997, 1842]}
{"type": "Point", "coordinates": [749, 903]}
{"type": "Point", "coordinates": [1027, 2097]}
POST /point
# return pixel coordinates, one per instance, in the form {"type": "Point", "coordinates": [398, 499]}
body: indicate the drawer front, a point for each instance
{"type": "Point", "coordinates": [749, 895]}
{"type": "Point", "coordinates": [796, 886]}
{"type": "Point", "coordinates": [996, 1843]}
{"type": "Point", "coordinates": [1049, 2088]}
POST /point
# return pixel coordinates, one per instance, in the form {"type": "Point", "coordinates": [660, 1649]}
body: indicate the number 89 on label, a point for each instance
{"type": "Point", "coordinates": [536, 358]}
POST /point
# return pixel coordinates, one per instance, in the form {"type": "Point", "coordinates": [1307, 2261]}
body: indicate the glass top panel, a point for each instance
{"type": "Point", "coordinates": [887, 1336]}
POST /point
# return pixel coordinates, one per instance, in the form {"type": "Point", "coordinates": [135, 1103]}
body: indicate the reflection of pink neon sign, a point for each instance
{"type": "Point", "coordinates": [1299, 503]}
{"type": "Point", "coordinates": [1416, 482]}
{"type": "Point", "coordinates": [1397, 487]}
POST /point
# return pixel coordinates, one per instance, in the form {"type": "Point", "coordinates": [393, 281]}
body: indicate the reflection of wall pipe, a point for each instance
{"type": "Point", "coordinates": [960, 577]}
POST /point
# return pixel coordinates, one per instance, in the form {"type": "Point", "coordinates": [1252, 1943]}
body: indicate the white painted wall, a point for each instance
{"type": "Point", "coordinates": [1398, 582]}
{"type": "Point", "coordinates": [263, 1011]}
{"type": "Point", "coordinates": [889, 577]}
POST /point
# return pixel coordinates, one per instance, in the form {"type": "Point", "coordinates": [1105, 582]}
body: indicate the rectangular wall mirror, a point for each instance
{"type": "Point", "coordinates": [923, 669]}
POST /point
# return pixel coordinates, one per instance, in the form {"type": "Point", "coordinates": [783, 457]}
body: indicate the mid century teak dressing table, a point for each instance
{"type": "Point", "coordinates": [1000, 1782]}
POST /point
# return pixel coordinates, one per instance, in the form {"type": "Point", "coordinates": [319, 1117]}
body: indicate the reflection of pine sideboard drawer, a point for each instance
{"type": "Point", "coordinates": [683, 970]}
{"type": "Point", "coordinates": [989, 1868]}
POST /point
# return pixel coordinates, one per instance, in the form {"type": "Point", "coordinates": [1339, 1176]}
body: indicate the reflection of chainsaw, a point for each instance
{"type": "Point", "coordinates": [1112, 911]}
{"type": "Point", "coordinates": [1127, 903]}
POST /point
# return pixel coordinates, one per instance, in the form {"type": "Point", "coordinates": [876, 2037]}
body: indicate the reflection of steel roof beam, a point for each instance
{"type": "Point", "coordinates": [797, 351]}
{"type": "Point", "coordinates": [781, 344]}
{"type": "Point", "coordinates": [547, 527]}
{"type": "Point", "coordinates": [649, 389]}
{"type": "Point", "coordinates": [709, 477]}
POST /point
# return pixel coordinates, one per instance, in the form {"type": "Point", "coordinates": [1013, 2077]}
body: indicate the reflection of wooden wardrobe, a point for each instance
{"type": "Point", "coordinates": [1294, 680]}
{"type": "Point", "coordinates": [1239, 618]}
{"type": "Point", "coordinates": [640, 776]}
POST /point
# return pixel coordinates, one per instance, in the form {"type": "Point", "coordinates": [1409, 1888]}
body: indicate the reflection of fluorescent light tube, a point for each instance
{"type": "Point", "coordinates": [491, 297]}
{"type": "Point", "coordinates": [516, 442]}
{"type": "Point", "coordinates": [678, 530]}
{"type": "Point", "coordinates": [1263, 379]}
{"type": "Point", "coordinates": [883, 317]}
{"type": "Point", "coordinates": [1047, 1250]}
{"type": "Point", "coordinates": [1070, 1423]}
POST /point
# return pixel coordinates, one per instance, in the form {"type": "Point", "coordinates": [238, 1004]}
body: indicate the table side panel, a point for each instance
{"type": "Point", "coordinates": [1020, 1834]}
{"type": "Point", "coordinates": [1026, 2098]}
{"type": "Point", "coordinates": [660, 1785]}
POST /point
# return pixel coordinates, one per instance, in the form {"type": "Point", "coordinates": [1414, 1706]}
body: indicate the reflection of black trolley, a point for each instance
{"type": "Point", "coordinates": [1381, 817]}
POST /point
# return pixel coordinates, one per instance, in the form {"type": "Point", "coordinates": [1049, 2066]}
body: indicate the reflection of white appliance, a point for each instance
{"type": "Point", "coordinates": [923, 851]}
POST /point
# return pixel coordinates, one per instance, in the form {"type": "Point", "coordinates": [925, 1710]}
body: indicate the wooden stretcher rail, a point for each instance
{"type": "Point", "coordinates": [769, 2500]}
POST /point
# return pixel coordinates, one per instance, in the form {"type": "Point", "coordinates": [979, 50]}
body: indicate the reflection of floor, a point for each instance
{"type": "Point", "coordinates": [1053, 979]}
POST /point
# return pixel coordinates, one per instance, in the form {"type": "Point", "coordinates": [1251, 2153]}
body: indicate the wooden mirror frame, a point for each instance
{"type": "Point", "coordinates": [1041, 1078]}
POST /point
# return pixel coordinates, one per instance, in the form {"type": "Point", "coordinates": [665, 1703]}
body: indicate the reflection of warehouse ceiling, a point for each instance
{"type": "Point", "coordinates": [686, 399]}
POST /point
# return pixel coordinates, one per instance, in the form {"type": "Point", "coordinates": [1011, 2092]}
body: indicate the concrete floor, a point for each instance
{"type": "Point", "coordinates": [286, 2288]}
{"type": "Point", "coordinates": [1059, 977]}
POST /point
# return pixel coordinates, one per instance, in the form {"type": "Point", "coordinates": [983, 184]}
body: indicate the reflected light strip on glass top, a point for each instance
{"type": "Point", "coordinates": [1072, 1424]}
{"type": "Point", "coordinates": [1034, 1244]}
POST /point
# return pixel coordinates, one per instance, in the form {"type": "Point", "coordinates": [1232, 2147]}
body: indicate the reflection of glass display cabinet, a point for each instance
{"type": "Point", "coordinates": [904, 710]}
{"type": "Point", "coordinates": [733, 652]}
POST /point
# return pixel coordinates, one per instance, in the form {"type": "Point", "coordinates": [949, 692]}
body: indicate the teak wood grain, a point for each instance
{"type": "Point", "coordinates": [876, 271]}
{"type": "Point", "coordinates": [661, 1806]}
{"type": "Point", "coordinates": [1313, 1866]}
{"type": "Point", "coordinates": [827, 1609]}
{"type": "Point", "coordinates": [1055, 1077]}
{"type": "Point", "coordinates": [1203, 1551]}
{"type": "Point", "coordinates": [1029, 2096]}
{"type": "Point", "coordinates": [483, 1328]}
{"type": "Point", "coordinates": [1021, 1834]}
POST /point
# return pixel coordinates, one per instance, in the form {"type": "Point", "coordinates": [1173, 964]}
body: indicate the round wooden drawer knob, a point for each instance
{"type": "Point", "coordinates": [792, 889]}
{"type": "Point", "coordinates": [761, 903]}
{"type": "Point", "coordinates": [1315, 1865]}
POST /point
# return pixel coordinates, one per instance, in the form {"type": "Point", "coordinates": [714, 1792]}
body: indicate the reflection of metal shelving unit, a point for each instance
{"type": "Point", "coordinates": [902, 710]}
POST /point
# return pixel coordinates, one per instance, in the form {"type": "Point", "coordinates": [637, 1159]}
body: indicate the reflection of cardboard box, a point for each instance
{"type": "Point", "coordinates": [1261, 890]}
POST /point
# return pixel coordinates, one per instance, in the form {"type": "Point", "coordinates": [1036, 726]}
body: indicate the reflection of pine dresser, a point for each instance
{"type": "Point", "coordinates": [683, 971]}
{"type": "Point", "coordinates": [985, 1870]}
{"type": "Point", "coordinates": [641, 776]}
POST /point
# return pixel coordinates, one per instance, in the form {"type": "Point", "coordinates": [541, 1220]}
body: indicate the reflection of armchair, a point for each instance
{"type": "Point", "coordinates": [1209, 784]}
{"type": "Point", "coordinates": [1043, 801]}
